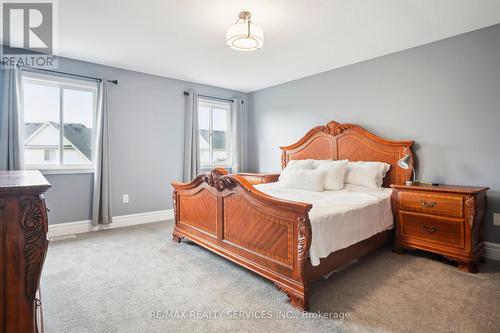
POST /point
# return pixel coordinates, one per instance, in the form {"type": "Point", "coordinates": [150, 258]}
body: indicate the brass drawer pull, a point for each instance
{"type": "Point", "coordinates": [430, 230]}
{"type": "Point", "coordinates": [428, 204]}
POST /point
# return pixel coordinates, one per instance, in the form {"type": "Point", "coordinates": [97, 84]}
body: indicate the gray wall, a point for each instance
{"type": "Point", "coordinates": [1, 88]}
{"type": "Point", "coordinates": [444, 95]}
{"type": "Point", "coordinates": [147, 132]}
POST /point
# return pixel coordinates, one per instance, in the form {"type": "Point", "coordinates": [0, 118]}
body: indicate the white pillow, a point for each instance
{"type": "Point", "coordinates": [316, 163]}
{"type": "Point", "coordinates": [369, 174]}
{"type": "Point", "coordinates": [335, 173]}
{"type": "Point", "coordinates": [303, 179]}
{"type": "Point", "coordinates": [300, 164]}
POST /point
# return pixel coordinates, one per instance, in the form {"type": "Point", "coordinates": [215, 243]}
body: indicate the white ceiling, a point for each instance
{"type": "Point", "coordinates": [185, 39]}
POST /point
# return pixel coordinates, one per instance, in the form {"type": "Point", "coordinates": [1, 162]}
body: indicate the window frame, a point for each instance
{"type": "Point", "coordinates": [47, 154]}
{"type": "Point", "coordinates": [62, 83]}
{"type": "Point", "coordinates": [214, 104]}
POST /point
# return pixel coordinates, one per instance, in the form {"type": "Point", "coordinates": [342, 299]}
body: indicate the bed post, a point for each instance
{"type": "Point", "coordinates": [176, 237]}
{"type": "Point", "coordinates": [298, 295]}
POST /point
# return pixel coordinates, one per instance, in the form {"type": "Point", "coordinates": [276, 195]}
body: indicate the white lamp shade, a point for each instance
{"type": "Point", "coordinates": [404, 163]}
{"type": "Point", "coordinates": [239, 37]}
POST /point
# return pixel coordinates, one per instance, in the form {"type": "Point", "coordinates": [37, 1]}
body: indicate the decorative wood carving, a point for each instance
{"type": "Point", "coordinates": [304, 241]}
{"type": "Point", "coordinates": [470, 209]}
{"type": "Point", "coordinates": [394, 201]}
{"type": "Point", "coordinates": [175, 236]}
{"type": "Point", "coordinates": [174, 205]}
{"type": "Point", "coordinates": [283, 160]}
{"type": "Point", "coordinates": [296, 299]}
{"type": "Point", "coordinates": [219, 179]}
{"type": "Point", "coordinates": [480, 207]}
{"type": "Point", "coordinates": [23, 246]}
{"type": "Point", "coordinates": [334, 128]}
{"type": "Point", "coordinates": [395, 212]}
{"type": "Point", "coordinates": [35, 242]}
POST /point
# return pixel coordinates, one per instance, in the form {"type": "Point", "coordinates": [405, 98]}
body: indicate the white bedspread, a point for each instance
{"type": "Point", "coordinates": [339, 218]}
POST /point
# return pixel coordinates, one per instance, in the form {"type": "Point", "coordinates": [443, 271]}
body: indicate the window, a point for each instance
{"type": "Point", "coordinates": [58, 122]}
{"type": "Point", "coordinates": [50, 155]}
{"type": "Point", "coordinates": [214, 126]}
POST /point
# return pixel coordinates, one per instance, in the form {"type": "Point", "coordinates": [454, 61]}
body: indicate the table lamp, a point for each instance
{"type": "Point", "coordinates": [405, 163]}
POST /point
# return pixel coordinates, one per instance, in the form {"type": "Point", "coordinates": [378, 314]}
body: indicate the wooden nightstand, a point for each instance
{"type": "Point", "coordinates": [442, 219]}
{"type": "Point", "coordinates": [260, 178]}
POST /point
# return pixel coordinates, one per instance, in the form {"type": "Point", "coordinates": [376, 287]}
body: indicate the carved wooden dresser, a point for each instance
{"type": "Point", "coordinates": [441, 219]}
{"type": "Point", "coordinates": [23, 246]}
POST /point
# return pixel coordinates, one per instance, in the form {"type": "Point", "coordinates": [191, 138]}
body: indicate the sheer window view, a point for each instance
{"type": "Point", "coordinates": [214, 133]}
{"type": "Point", "coordinates": [58, 122]}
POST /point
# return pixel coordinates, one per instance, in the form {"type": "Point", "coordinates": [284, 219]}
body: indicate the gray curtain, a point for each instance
{"type": "Point", "coordinates": [10, 122]}
{"type": "Point", "coordinates": [191, 138]}
{"type": "Point", "coordinates": [237, 115]}
{"type": "Point", "coordinates": [101, 200]}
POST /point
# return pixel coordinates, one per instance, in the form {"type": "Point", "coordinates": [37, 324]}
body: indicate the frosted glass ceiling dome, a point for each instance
{"type": "Point", "coordinates": [244, 35]}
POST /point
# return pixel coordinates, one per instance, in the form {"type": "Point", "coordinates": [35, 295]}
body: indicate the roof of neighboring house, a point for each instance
{"type": "Point", "coordinates": [30, 128]}
{"type": "Point", "coordinates": [219, 139]}
{"type": "Point", "coordinates": [79, 135]}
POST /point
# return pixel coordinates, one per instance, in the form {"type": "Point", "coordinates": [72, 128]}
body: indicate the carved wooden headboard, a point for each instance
{"type": "Point", "coordinates": [348, 141]}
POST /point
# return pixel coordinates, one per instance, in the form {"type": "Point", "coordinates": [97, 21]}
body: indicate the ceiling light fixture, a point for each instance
{"type": "Point", "coordinates": [244, 35]}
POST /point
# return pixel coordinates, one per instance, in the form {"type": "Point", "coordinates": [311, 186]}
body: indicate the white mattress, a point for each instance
{"type": "Point", "coordinates": [339, 218]}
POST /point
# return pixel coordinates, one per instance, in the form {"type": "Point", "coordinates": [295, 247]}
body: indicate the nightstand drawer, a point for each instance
{"type": "Point", "coordinates": [437, 229]}
{"type": "Point", "coordinates": [441, 204]}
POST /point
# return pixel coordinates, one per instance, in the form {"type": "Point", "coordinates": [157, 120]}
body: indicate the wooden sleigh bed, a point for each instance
{"type": "Point", "coordinates": [269, 236]}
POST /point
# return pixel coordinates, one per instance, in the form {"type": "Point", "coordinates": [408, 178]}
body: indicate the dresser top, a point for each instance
{"type": "Point", "coordinates": [442, 188]}
{"type": "Point", "coordinates": [23, 180]}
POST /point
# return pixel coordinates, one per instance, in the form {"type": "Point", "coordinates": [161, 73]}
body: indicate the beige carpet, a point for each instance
{"type": "Point", "coordinates": [138, 280]}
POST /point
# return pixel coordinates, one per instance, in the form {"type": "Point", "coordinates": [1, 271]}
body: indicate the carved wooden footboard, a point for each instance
{"type": "Point", "coordinates": [269, 236]}
{"type": "Point", "coordinates": [227, 215]}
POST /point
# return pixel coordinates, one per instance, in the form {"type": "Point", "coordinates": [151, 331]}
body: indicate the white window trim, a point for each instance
{"type": "Point", "coordinates": [210, 167]}
{"type": "Point", "coordinates": [69, 83]}
{"type": "Point", "coordinates": [61, 170]}
{"type": "Point", "coordinates": [223, 105]}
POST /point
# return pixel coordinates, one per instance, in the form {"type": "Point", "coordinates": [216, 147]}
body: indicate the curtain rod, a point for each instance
{"type": "Point", "coordinates": [66, 73]}
{"type": "Point", "coordinates": [186, 93]}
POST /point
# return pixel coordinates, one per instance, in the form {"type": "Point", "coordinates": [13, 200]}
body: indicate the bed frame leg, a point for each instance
{"type": "Point", "coordinates": [398, 249]}
{"type": "Point", "coordinates": [298, 300]}
{"type": "Point", "coordinates": [176, 237]}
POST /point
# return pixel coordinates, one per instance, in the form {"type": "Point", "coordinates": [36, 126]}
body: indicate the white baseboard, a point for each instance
{"type": "Point", "coordinates": [492, 250]}
{"type": "Point", "coordinates": [79, 227]}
